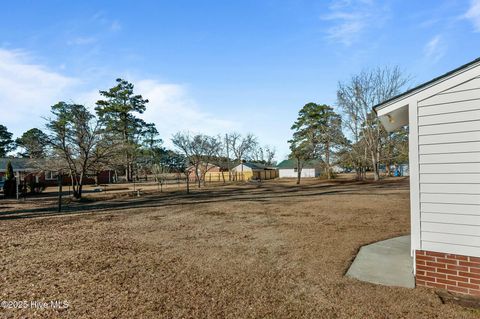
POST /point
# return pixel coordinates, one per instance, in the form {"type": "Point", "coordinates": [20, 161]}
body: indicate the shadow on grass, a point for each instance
{"type": "Point", "coordinates": [261, 193]}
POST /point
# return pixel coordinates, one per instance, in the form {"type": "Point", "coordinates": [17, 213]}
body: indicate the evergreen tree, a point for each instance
{"type": "Point", "coordinates": [6, 142]}
{"type": "Point", "coordinates": [321, 128]}
{"type": "Point", "coordinates": [9, 175]}
{"type": "Point", "coordinates": [10, 187]}
{"type": "Point", "coordinates": [301, 151]}
{"type": "Point", "coordinates": [34, 142]}
{"type": "Point", "coordinates": [118, 113]}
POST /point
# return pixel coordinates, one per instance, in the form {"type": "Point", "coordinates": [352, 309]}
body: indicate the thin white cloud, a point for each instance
{"type": "Point", "coordinates": [473, 14]}
{"type": "Point", "coordinates": [102, 18]}
{"type": "Point", "coordinates": [82, 41]}
{"type": "Point", "coordinates": [115, 26]}
{"type": "Point", "coordinates": [350, 18]}
{"type": "Point", "coordinates": [172, 109]}
{"type": "Point", "coordinates": [27, 90]}
{"type": "Point", "coordinates": [435, 49]}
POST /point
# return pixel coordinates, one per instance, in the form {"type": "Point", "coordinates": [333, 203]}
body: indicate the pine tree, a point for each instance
{"type": "Point", "coordinates": [319, 128]}
{"type": "Point", "coordinates": [34, 142]}
{"type": "Point", "coordinates": [6, 142]}
{"type": "Point", "coordinates": [117, 113]}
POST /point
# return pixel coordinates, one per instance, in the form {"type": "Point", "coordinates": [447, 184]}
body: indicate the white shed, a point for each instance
{"type": "Point", "coordinates": [444, 152]}
{"type": "Point", "coordinates": [288, 169]}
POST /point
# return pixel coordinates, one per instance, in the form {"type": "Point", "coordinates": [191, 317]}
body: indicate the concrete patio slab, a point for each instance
{"type": "Point", "coordinates": [387, 262]}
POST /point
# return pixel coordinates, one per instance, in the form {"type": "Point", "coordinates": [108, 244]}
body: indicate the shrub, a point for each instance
{"type": "Point", "coordinates": [36, 188]}
{"type": "Point", "coordinates": [10, 188]}
{"type": "Point", "coordinates": [9, 171]}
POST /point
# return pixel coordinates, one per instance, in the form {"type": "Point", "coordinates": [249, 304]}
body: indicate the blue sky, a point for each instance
{"type": "Point", "coordinates": [217, 66]}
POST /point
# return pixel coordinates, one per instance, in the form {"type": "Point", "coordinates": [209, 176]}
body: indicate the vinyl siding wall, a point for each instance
{"type": "Point", "coordinates": [291, 173]}
{"type": "Point", "coordinates": [449, 165]}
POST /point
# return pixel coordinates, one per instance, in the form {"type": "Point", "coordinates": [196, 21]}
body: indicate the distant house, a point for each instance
{"type": "Point", "coordinates": [249, 167]}
{"type": "Point", "coordinates": [249, 170]}
{"type": "Point", "coordinates": [19, 165]}
{"type": "Point", "coordinates": [29, 172]}
{"type": "Point", "coordinates": [288, 169]}
{"type": "Point", "coordinates": [204, 169]}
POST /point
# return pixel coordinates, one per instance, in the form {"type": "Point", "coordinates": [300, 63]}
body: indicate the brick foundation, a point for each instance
{"type": "Point", "coordinates": [455, 273]}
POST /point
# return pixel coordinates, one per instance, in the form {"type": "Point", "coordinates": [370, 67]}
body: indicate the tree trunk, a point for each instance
{"type": "Point", "coordinates": [376, 174]}
{"type": "Point", "coordinates": [127, 169]}
{"type": "Point", "coordinates": [72, 181]}
{"type": "Point", "coordinates": [79, 191]}
{"type": "Point", "coordinates": [327, 160]}
{"type": "Point", "coordinates": [197, 176]}
{"type": "Point", "coordinates": [299, 172]}
{"type": "Point", "coordinates": [188, 183]}
{"type": "Point", "coordinates": [358, 172]}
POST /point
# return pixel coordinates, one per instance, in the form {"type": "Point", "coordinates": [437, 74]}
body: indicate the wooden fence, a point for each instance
{"type": "Point", "coordinates": [239, 176]}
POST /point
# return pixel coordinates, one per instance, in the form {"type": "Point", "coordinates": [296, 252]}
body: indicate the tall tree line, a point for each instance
{"type": "Point", "coordinates": [79, 143]}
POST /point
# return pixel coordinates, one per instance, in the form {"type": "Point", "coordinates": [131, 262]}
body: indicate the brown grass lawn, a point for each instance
{"type": "Point", "coordinates": [269, 250]}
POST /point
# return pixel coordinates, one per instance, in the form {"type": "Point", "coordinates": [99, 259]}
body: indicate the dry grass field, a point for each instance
{"type": "Point", "coordinates": [266, 250]}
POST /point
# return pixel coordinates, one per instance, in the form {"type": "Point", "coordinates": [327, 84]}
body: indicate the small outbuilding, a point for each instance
{"type": "Point", "coordinates": [288, 169]}
{"type": "Point", "coordinates": [443, 116]}
{"type": "Point", "coordinates": [256, 171]}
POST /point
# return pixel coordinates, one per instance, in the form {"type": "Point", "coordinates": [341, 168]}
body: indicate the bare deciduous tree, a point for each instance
{"type": "Point", "coordinates": [74, 136]}
{"type": "Point", "coordinates": [199, 150]}
{"type": "Point", "coordinates": [358, 96]}
{"type": "Point", "coordinates": [242, 146]}
{"type": "Point", "coordinates": [264, 155]}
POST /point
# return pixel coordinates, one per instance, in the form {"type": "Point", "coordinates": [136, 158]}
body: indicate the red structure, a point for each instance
{"type": "Point", "coordinates": [30, 174]}
{"type": "Point", "coordinates": [456, 273]}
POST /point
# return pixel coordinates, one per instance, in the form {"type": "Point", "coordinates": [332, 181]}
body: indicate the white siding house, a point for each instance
{"type": "Point", "coordinates": [444, 152]}
{"type": "Point", "coordinates": [293, 173]}
{"type": "Point", "coordinates": [288, 169]}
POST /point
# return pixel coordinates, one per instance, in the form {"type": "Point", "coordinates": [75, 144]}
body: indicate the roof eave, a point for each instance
{"type": "Point", "coordinates": [405, 95]}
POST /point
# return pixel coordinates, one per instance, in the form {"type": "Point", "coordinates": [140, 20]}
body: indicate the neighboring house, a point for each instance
{"type": "Point", "coordinates": [444, 142]}
{"type": "Point", "coordinates": [288, 169]}
{"type": "Point", "coordinates": [210, 168]}
{"type": "Point", "coordinates": [29, 172]}
{"type": "Point", "coordinates": [19, 165]}
{"type": "Point", "coordinates": [249, 170]}
{"type": "Point", "coordinates": [249, 167]}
